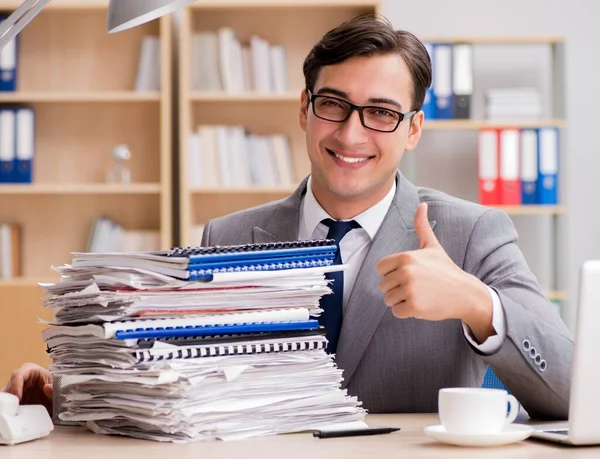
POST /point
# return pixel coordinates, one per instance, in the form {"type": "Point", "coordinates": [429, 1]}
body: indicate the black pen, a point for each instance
{"type": "Point", "coordinates": [354, 432]}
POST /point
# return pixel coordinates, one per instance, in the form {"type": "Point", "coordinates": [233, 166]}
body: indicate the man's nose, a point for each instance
{"type": "Point", "coordinates": [352, 130]}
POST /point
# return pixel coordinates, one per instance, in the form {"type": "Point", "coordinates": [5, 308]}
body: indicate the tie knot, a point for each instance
{"type": "Point", "coordinates": [338, 229]}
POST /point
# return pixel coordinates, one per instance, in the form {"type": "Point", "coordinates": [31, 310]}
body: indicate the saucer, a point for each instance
{"type": "Point", "coordinates": [509, 434]}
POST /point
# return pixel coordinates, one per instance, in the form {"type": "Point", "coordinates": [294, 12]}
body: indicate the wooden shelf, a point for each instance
{"type": "Point", "coordinates": [244, 191]}
{"type": "Point", "coordinates": [497, 40]}
{"type": "Point", "coordinates": [203, 96]}
{"type": "Point", "coordinates": [557, 295]}
{"type": "Point", "coordinates": [61, 5]}
{"type": "Point", "coordinates": [212, 4]}
{"type": "Point", "coordinates": [80, 188]}
{"type": "Point", "coordinates": [95, 96]}
{"type": "Point", "coordinates": [27, 281]}
{"type": "Point", "coordinates": [533, 209]}
{"type": "Point", "coordinates": [479, 124]}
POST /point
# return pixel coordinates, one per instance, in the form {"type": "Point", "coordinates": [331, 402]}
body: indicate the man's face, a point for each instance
{"type": "Point", "coordinates": [349, 161]}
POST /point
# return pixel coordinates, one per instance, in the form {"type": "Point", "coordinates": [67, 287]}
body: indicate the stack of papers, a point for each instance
{"type": "Point", "coordinates": [144, 354]}
{"type": "Point", "coordinates": [519, 103]}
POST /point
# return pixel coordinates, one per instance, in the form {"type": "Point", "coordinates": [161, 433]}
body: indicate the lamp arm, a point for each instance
{"type": "Point", "coordinates": [11, 26]}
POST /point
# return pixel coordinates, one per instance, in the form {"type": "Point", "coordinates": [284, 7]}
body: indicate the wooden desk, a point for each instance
{"type": "Point", "coordinates": [410, 442]}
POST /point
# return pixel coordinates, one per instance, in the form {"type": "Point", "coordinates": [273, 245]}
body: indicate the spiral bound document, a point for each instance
{"type": "Point", "coordinates": [207, 274]}
{"type": "Point", "coordinates": [231, 252]}
{"type": "Point", "coordinates": [204, 330]}
{"type": "Point", "coordinates": [307, 344]}
{"type": "Point", "coordinates": [236, 338]}
{"type": "Point", "coordinates": [163, 326]}
{"type": "Point", "coordinates": [273, 256]}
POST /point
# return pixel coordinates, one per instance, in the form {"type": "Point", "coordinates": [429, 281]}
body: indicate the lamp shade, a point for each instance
{"type": "Point", "coordinates": [125, 14]}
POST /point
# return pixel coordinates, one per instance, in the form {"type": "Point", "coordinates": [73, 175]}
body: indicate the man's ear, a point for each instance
{"type": "Point", "coordinates": [303, 109]}
{"type": "Point", "coordinates": [414, 131]}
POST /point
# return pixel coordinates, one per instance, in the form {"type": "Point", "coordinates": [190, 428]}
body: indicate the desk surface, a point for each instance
{"type": "Point", "coordinates": [78, 443]}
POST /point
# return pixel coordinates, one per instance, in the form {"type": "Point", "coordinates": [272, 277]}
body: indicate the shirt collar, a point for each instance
{"type": "Point", "coordinates": [370, 220]}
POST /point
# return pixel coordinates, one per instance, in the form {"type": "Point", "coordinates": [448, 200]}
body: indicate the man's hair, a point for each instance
{"type": "Point", "coordinates": [371, 35]}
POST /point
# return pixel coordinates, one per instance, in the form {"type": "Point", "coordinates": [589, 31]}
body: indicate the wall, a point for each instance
{"type": "Point", "coordinates": [577, 22]}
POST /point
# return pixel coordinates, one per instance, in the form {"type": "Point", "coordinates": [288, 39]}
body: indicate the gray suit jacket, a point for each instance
{"type": "Point", "coordinates": [396, 365]}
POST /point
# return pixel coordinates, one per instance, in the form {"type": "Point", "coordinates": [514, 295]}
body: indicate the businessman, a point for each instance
{"type": "Point", "coordinates": [436, 288]}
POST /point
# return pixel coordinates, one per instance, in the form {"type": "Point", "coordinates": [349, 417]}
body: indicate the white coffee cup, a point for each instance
{"type": "Point", "coordinates": [475, 411]}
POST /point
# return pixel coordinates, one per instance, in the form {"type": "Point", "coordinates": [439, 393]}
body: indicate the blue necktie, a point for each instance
{"type": "Point", "coordinates": [332, 304]}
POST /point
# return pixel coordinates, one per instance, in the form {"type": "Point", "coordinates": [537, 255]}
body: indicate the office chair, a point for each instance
{"type": "Point", "coordinates": [491, 381]}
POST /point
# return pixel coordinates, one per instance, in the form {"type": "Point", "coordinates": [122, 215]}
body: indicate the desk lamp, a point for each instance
{"type": "Point", "coordinates": [122, 15]}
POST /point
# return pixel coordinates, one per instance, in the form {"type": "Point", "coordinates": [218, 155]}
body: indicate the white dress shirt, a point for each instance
{"type": "Point", "coordinates": [355, 245]}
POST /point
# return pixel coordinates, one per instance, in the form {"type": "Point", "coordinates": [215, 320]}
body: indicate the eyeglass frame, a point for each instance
{"type": "Point", "coordinates": [359, 109]}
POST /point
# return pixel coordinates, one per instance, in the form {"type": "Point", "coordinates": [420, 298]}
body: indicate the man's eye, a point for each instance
{"type": "Point", "coordinates": [383, 113]}
{"type": "Point", "coordinates": [331, 103]}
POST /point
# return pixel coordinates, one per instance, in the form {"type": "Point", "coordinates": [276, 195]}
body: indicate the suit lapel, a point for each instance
{"type": "Point", "coordinates": [365, 308]}
{"type": "Point", "coordinates": [283, 225]}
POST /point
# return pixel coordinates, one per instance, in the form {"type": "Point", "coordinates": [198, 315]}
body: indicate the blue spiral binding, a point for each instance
{"type": "Point", "coordinates": [207, 274]}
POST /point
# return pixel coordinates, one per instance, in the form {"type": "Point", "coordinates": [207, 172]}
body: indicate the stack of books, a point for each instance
{"type": "Point", "coordinates": [197, 343]}
{"type": "Point", "coordinates": [231, 157]}
{"type": "Point", "coordinates": [221, 62]}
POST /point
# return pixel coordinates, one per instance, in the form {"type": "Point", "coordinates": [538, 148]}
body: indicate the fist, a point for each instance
{"type": "Point", "coordinates": [426, 283]}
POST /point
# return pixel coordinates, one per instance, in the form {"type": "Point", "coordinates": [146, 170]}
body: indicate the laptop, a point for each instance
{"type": "Point", "coordinates": [582, 427]}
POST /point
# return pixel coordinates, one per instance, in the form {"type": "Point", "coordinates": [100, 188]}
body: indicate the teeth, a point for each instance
{"type": "Point", "coordinates": [351, 160]}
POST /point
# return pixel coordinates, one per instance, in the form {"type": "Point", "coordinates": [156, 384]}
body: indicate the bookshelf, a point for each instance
{"type": "Point", "coordinates": [549, 217]}
{"type": "Point", "coordinates": [294, 24]}
{"type": "Point", "coordinates": [80, 81]}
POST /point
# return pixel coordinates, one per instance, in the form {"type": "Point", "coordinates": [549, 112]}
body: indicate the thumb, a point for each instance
{"type": "Point", "coordinates": [424, 232]}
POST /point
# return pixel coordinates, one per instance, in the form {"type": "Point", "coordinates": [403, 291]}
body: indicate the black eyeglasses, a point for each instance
{"type": "Point", "coordinates": [372, 117]}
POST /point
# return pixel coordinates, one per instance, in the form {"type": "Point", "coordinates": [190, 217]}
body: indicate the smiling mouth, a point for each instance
{"type": "Point", "coordinates": [349, 159]}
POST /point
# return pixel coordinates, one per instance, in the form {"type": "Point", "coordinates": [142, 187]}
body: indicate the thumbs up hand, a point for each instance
{"type": "Point", "coordinates": [426, 284]}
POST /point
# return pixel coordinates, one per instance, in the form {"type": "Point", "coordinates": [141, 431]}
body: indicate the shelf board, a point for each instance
{"type": "Point", "coordinates": [478, 124]}
{"type": "Point", "coordinates": [61, 4]}
{"type": "Point", "coordinates": [497, 40]}
{"type": "Point", "coordinates": [245, 191]}
{"type": "Point", "coordinates": [219, 4]}
{"type": "Point", "coordinates": [79, 188]}
{"type": "Point", "coordinates": [556, 295]}
{"type": "Point", "coordinates": [533, 209]}
{"type": "Point", "coordinates": [219, 96]}
{"type": "Point", "coordinates": [96, 96]}
{"type": "Point", "coordinates": [27, 281]}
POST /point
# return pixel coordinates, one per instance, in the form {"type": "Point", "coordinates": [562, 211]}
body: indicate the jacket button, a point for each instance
{"type": "Point", "coordinates": [532, 352]}
{"type": "Point", "coordinates": [526, 345]}
{"type": "Point", "coordinates": [542, 365]}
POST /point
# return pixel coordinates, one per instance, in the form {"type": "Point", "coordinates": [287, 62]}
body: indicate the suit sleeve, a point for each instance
{"type": "Point", "coordinates": [206, 235]}
{"type": "Point", "coordinates": [534, 361]}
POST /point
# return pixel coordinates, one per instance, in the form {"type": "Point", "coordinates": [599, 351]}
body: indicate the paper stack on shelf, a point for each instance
{"type": "Point", "coordinates": [235, 353]}
{"type": "Point", "coordinates": [514, 103]}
